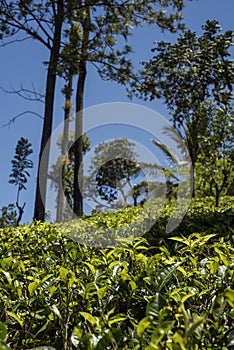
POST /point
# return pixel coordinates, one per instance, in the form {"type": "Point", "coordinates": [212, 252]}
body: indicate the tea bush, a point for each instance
{"type": "Point", "coordinates": [56, 293]}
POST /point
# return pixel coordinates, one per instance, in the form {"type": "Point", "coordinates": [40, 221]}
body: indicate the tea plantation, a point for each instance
{"type": "Point", "coordinates": [159, 291]}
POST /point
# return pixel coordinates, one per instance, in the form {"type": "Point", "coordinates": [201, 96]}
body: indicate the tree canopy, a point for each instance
{"type": "Point", "coordinates": [188, 74]}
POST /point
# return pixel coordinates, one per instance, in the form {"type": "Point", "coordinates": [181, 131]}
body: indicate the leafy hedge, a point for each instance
{"type": "Point", "coordinates": [60, 294]}
{"type": "Point", "coordinates": [202, 216]}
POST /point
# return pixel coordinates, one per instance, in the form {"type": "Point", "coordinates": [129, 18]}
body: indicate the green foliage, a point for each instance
{"type": "Point", "coordinates": [195, 80]}
{"type": "Point", "coordinates": [3, 337]}
{"type": "Point", "coordinates": [199, 66]}
{"type": "Point", "coordinates": [18, 177]}
{"type": "Point", "coordinates": [115, 174]}
{"type": "Point", "coordinates": [75, 33]}
{"type": "Point", "coordinates": [60, 294]}
{"type": "Point", "coordinates": [19, 174]}
{"type": "Point", "coordinates": [20, 163]}
{"type": "Point", "coordinates": [202, 216]}
{"type": "Point", "coordinates": [214, 168]}
{"type": "Point", "coordinates": [8, 216]}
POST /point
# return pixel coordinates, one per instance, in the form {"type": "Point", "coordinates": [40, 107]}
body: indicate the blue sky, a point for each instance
{"type": "Point", "coordinates": [21, 64]}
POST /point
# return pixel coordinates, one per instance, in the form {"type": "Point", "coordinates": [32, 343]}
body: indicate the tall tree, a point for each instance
{"type": "Point", "coordinates": [40, 198]}
{"type": "Point", "coordinates": [113, 173]}
{"type": "Point", "coordinates": [102, 25]}
{"type": "Point", "coordinates": [19, 174]}
{"type": "Point", "coordinates": [61, 172]}
{"type": "Point", "coordinates": [78, 146]}
{"type": "Point", "coordinates": [215, 169]}
{"type": "Point", "coordinates": [188, 73]}
{"type": "Point", "coordinates": [68, 68]}
{"type": "Point", "coordinates": [43, 22]}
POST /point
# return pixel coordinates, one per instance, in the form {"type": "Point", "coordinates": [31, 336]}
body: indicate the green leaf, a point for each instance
{"type": "Point", "coordinates": [206, 238]}
{"type": "Point", "coordinates": [164, 276]}
{"type": "Point", "coordinates": [3, 332]}
{"type": "Point", "coordinates": [229, 294]}
{"type": "Point", "coordinates": [43, 328]}
{"type": "Point", "coordinates": [153, 309]}
{"type": "Point", "coordinates": [160, 332]}
{"type": "Point", "coordinates": [8, 276]}
{"type": "Point", "coordinates": [178, 339]}
{"type": "Point", "coordinates": [196, 324]}
{"type": "Point", "coordinates": [182, 270]}
{"type": "Point", "coordinates": [76, 336]}
{"type": "Point", "coordinates": [117, 318]}
{"type": "Point", "coordinates": [182, 240]}
{"type": "Point", "coordinates": [187, 296]}
{"type": "Point", "coordinates": [185, 315]}
{"type": "Point", "coordinates": [91, 267]}
{"type": "Point", "coordinates": [133, 285]}
{"type": "Point", "coordinates": [32, 287]}
{"type": "Point", "coordinates": [6, 262]}
{"type": "Point", "coordinates": [63, 272]}
{"type": "Point", "coordinates": [140, 241]}
{"type": "Point", "coordinates": [144, 323]}
{"type": "Point", "coordinates": [222, 257]}
{"type": "Point", "coordinates": [105, 341]}
{"type": "Point", "coordinates": [214, 265]}
{"type": "Point", "coordinates": [17, 318]}
{"type": "Point", "coordinates": [101, 292]}
{"type": "Point", "coordinates": [91, 319]}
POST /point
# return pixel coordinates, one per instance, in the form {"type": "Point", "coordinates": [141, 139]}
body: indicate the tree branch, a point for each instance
{"type": "Point", "coordinates": [20, 115]}
{"type": "Point", "coordinates": [3, 44]}
{"type": "Point", "coordinates": [39, 23]}
{"type": "Point", "coordinates": [26, 94]}
{"type": "Point", "coordinates": [30, 31]}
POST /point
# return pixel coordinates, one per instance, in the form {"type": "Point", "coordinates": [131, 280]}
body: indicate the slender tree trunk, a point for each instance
{"type": "Point", "coordinates": [64, 151]}
{"type": "Point", "coordinates": [20, 208]}
{"type": "Point", "coordinates": [217, 194]}
{"type": "Point", "coordinates": [219, 189]}
{"type": "Point", "coordinates": [39, 209]}
{"type": "Point", "coordinates": [192, 144]}
{"type": "Point", "coordinates": [78, 146]}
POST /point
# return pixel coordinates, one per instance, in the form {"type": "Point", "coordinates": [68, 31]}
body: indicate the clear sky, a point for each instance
{"type": "Point", "coordinates": [21, 64]}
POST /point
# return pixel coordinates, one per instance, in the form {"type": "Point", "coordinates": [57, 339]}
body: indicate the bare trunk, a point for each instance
{"type": "Point", "coordinates": [219, 189]}
{"type": "Point", "coordinates": [39, 209]}
{"type": "Point", "coordinates": [192, 181]}
{"type": "Point", "coordinates": [20, 208]}
{"type": "Point", "coordinates": [192, 144]}
{"type": "Point", "coordinates": [64, 151]}
{"type": "Point", "coordinates": [217, 194]}
{"type": "Point", "coordinates": [78, 146]}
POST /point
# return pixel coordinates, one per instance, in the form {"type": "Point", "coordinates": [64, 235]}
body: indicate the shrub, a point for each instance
{"type": "Point", "coordinates": [57, 293]}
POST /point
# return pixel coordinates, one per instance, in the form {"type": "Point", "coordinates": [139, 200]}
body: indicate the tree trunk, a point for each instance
{"type": "Point", "coordinates": [78, 145]}
{"type": "Point", "coordinates": [219, 189]}
{"type": "Point", "coordinates": [39, 209]}
{"type": "Point", "coordinates": [194, 155]}
{"type": "Point", "coordinates": [20, 208]}
{"type": "Point", "coordinates": [217, 195]}
{"type": "Point", "coordinates": [64, 151]}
